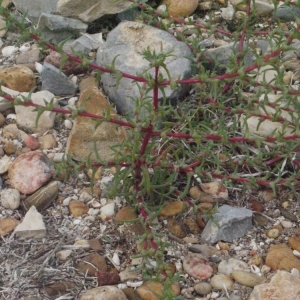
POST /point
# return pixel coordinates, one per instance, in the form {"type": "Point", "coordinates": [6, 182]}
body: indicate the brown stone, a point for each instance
{"type": "Point", "coordinates": [107, 278]}
{"type": "Point", "coordinates": [88, 82]}
{"type": "Point", "coordinates": [69, 67]}
{"type": "Point", "coordinates": [151, 290]}
{"type": "Point", "coordinates": [43, 197]}
{"type": "Point", "coordinates": [18, 78]}
{"type": "Point", "coordinates": [175, 228]}
{"type": "Point", "coordinates": [281, 257]}
{"type": "Point", "coordinates": [32, 142]}
{"type": "Point", "coordinates": [294, 242]}
{"type": "Point", "coordinates": [58, 288]}
{"type": "Point", "coordinates": [84, 135]}
{"type": "Point", "coordinates": [172, 209]}
{"type": "Point", "coordinates": [47, 141]}
{"type": "Point", "coordinates": [9, 148]}
{"type": "Point", "coordinates": [181, 8]}
{"type": "Point", "coordinates": [91, 264]}
{"type": "Point", "coordinates": [125, 214]}
{"type": "Point", "coordinates": [256, 206]}
{"type": "Point", "coordinates": [28, 57]}
{"type": "Point", "coordinates": [77, 208]}
{"type": "Point", "coordinates": [7, 225]}
{"type": "Point", "coordinates": [95, 245]}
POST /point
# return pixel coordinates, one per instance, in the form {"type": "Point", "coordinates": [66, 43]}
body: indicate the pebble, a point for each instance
{"type": "Point", "coordinates": [220, 281]}
{"type": "Point", "coordinates": [172, 209]}
{"type": "Point", "coordinates": [150, 289]}
{"type": "Point", "coordinates": [32, 142]}
{"type": "Point", "coordinates": [227, 13]}
{"type": "Point", "coordinates": [77, 208]}
{"type": "Point", "coordinates": [247, 278]}
{"type": "Point", "coordinates": [104, 292]}
{"type": "Point", "coordinates": [286, 224]}
{"type": "Point", "coordinates": [294, 242]}
{"type": "Point", "coordinates": [5, 162]}
{"type": "Point", "coordinates": [256, 260]}
{"type": "Point", "coordinates": [203, 288]}
{"type": "Point", "coordinates": [10, 198]}
{"type": "Point", "coordinates": [109, 209]}
{"type": "Point", "coordinates": [273, 233]}
{"type": "Point", "coordinates": [7, 225]}
{"type": "Point", "coordinates": [181, 8]}
{"type": "Point", "coordinates": [9, 50]}
{"type": "Point", "coordinates": [197, 266]}
{"type": "Point", "coordinates": [226, 267]}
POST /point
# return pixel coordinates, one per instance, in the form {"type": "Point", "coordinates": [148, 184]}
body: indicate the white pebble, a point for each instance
{"type": "Point", "coordinates": [11, 117]}
{"type": "Point", "coordinates": [58, 157]}
{"type": "Point", "coordinates": [66, 201]}
{"type": "Point", "coordinates": [68, 124]}
{"type": "Point", "coordinates": [39, 67]}
{"type": "Point", "coordinates": [10, 198]}
{"type": "Point", "coordinates": [296, 253]}
{"type": "Point", "coordinates": [115, 259]}
{"type": "Point", "coordinates": [25, 47]}
{"type": "Point", "coordinates": [108, 209]}
{"type": "Point", "coordinates": [134, 284]}
{"type": "Point", "coordinates": [77, 222]}
{"type": "Point", "coordinates": [286, 224]}
{"type": "Point", "coordinates": [9, 50]}
{"type": "Point", "coordinates": [93, 211]}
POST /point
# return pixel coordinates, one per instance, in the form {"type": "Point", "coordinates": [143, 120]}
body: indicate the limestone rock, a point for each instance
{"type": "Point", "coordinates": [228, 224]}
{"type": "Point", "coordinates": [34, 9]}
{"type": "Point", "coordinates": [54, 81]}
{"type": "Point", "coordinates": [103, 293]}
{"type": "Point", "coordinates": [83, 134]}
{"type": "Point", "coordinates": [91, 10]}
{"type": "Point", "coordinates": [57, 28]}
{"type": "Point", "coordinates": [283, 286]}
{"type": "Point", "coordinates": [30, 56]}
{"type": "Point", "coordinates": [26, 116]}
{"type": "Point", "coordinates": [30, 171]}
{"type": "Point", "coordinates": [18, 78]}
{"type": "Point", "coordinates": [32, 225]}
{"type": "Point", "coordinates": [124, 45]}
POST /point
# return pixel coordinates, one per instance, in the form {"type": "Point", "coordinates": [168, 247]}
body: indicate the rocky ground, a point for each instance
{"type": "Point", "coordinates": [64, 240]}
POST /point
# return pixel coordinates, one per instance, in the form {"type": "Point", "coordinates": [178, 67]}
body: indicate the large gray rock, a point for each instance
{"type": "Point", "coordinates": [90, 10]}
{"type": "Point", "coordinates": [228, 224]}
{"type": "Point", "coordinates": [57, 28]}
{"type": "Point", "coordinates": [124, 44]}
{"type": "Point", "coordinates": [34, 9]}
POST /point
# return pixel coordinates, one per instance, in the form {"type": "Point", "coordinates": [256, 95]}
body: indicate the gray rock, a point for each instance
{"type": "Point", "coordinates": [221, 55]}
{"type": "Point", "coordinates": [228, 224]}
{"type": "Point", "coordinates": [58, 28]}
{"type": "Point", "coordinates": [56, 82]}
{"type": "Point", "coordinates": [85, 43]}
{"type": "Point", "coordinates": [124, 44]}
{"type": "Point", "coordinates": [34, 9]}
{"type": "Point", "coordinates": [91, 10]}
{"type": "Point", "coordinates": [287, 13]}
